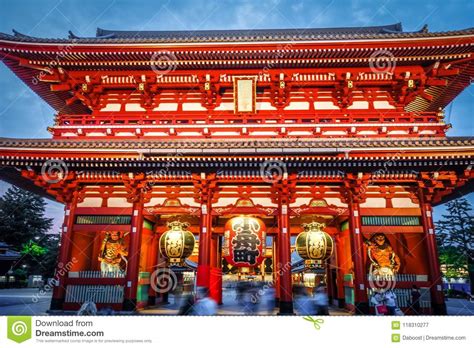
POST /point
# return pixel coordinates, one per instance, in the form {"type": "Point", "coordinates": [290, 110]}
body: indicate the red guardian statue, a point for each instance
{"type": "Point", "coordinates": [383, 260]}
{"type": "Point", "coordinates": [112, 253]}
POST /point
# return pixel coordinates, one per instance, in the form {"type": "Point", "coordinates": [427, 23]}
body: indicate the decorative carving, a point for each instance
{"type": "Point", "coordinates": [137, 187]}
{"type": "Point", "coordinates": [205, 188]}
{"type": "Point", "coordinates": [280, 92]}
{"type": "Point", "coordinates": [64, 189]}
{"type": "Point", "coordinates": [355, 188]}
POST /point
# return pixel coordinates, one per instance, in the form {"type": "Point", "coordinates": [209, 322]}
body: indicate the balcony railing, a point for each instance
{"type": "Point", "coordinates": [264, 124]}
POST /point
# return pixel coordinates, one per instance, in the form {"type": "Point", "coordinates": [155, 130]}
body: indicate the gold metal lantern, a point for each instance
{"type": "Point", "coordinates": [177, 243]}
{"type": "Point", "coordinates": [314, 243]}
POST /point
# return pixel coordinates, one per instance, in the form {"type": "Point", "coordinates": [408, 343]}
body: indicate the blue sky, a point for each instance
{"type": "Point", "coordinates": [23, 114]}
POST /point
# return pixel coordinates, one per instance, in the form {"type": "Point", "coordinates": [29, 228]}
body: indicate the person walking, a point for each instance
{"type": "Point", "coordinates": [205, 305]}
{"type": "Point", "coordinates": [377, 300]}
{"type": "Point", "coordinates": [415, 300]}
{"type": "Point", "coordinates": [187, 307]}
{"type": "Point", "coordinates": [321, 301]}
{"type": "Point", "coordinates": [390, 300]}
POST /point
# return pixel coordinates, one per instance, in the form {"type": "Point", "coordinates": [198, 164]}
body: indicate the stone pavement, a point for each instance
{"type": "Point", "coordinates": [31, 302]}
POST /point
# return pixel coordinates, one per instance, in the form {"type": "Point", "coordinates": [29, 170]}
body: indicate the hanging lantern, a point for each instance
{"type": "Point", "coordinates": [244, 241]}
{"type": "Point", "coordinates": [314, 243]}
{"type": "Point", "coordinates": [177, 243]}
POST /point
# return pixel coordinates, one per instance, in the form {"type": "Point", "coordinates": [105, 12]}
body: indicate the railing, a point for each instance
{"type": "Point", "coordinates": [262, 117]}
{"type": "Point", "coordinates": [262, 125]}
{"type": "Point", "coordinates": [96, 274]}
{"type": "Point", "coordinates": [404, 297]}
{"type": "Point", "coordinates": [399, 278]}
{"type": "Point", "coordinates": [94, 293]}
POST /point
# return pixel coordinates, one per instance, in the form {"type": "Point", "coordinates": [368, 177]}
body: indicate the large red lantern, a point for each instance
{"type": "Point", "coordinates": [244, 241]}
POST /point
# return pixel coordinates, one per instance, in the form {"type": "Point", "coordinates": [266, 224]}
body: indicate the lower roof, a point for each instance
{"type": "Point", "coordinates": [236, 146]}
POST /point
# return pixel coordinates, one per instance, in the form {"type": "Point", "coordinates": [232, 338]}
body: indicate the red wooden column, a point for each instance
{"type": "Point", "coordinates": [131, 278]}
{"type": "Point", "coordinates": [138, 193]}
{"type": "Point", "coordinates": [436, 288]}
{"type": "Point", "coordinates": [329, 282]}
{"type": "Point", "coordinates": [284, 189]}
{"type": "Point", "coordinates": [276, 271]}
{"type": "Point", "coordinates": [205, 185]}
{"type": "Point", "coordinates": [286, 291]}
{"type": "Point", "coordinates": [204, 259]}
{"type": "Point", "coordinates": [59, 290]}
{"type": "Point", "coordinates": [215, 284]}
{"type": "Point", "coordinates": [354, 193]}
{"type": "Point", "coordinates": [361, 301]}
{"type": "Point", "coordinates": [153, 265]}
{"type": "Point", "coordinates": [341, 297]}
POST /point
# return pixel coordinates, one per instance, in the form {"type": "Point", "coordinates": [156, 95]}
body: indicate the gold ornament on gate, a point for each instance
{"type": "Point", "coordinates": [314, 243]}
{"type": "Point", "coordinates": [177, 243]}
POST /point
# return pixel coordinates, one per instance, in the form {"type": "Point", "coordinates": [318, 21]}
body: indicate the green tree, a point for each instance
{"type": "Point", "coordinates": [22, 217]}
{"type": "Point", "coordinates": [24, 227]}
{"type": "Point", "coordinates": [455, 236]}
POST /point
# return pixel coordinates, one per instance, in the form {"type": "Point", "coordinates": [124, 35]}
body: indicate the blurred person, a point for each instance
{"type": "Point", "coordinates": [204, 305]}
{"type": "Point", "coordinates": [187, 306]}
{"type": "Point", "coordinates": [377, 300]}
{"type": "Point", "coordinates": [269, 294]}
{"type": "Point", "coordinates": [251, 300]}
{"type": "Point", "coordinates": [390, 300]}
{"type": "Point", "coordinates": [321, 301]}
{"type": "Point", "coordinates": [304, 303]}
{"type": "Point", "coordinates": [240, 290]}
{"type": "Point", "coordinates": [415, 300]}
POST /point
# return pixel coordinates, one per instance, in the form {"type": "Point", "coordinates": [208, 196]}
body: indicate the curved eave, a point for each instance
{"type": "Point", "coordinates": [340, 149]}
{"type": "Point", "coordinates": [239, 37]}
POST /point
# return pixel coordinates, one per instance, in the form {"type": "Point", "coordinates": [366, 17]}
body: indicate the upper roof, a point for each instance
{"type": "Point", "coordinates": [242, 35]}
{"type": "Point", "coordinates": [30, 58]}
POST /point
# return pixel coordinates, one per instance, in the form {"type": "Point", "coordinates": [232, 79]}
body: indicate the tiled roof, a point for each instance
{"type": "Point", "coordinates": [215, 144]}
{"type": "Point", "coordinates": [251, 35]}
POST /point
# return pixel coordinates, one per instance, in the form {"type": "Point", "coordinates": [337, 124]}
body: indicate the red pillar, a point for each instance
{"type": "Point", "coordinates": [436, 288]}
{"type": "Point", "coordinates": [215, 287]}
{"type": "Point", "coordinates": [131, 278]}
{"type": "Point", "coordinates": [153, 266]}
{"type": "Point", "coordinates": [286, 291]}
{"type": "Point", "coordinates": [59, 290]}
{"type": "Point", "coordinates": [329, 282]}
{"type": "Point", "coordinates": [341, 297]}
{"type": "Point", "coordinates": [361, 302]}
{"type": "Point", "coordinates": [205, 236]}
{"type": "Point", "coordinates": [276, 270]}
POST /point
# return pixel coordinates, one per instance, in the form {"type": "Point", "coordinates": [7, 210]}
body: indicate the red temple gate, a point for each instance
{"type": "Point", "coordinates": [286, 126]}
